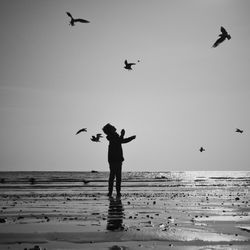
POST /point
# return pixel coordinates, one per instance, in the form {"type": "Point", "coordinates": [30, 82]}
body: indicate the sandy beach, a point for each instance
{"type": "Point", "coordinates": [145, 217]}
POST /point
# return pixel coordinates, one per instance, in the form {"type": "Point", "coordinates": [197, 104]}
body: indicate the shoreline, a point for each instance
{"type": "Point", "coordinates": [144, 217]}
{"type": "Point", "coordinates": [74, 241]}
{"type": "Point", "coordinates": [111, 240]}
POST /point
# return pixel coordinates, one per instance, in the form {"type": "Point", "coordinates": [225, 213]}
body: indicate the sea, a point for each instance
{"type": "Point", "coordinates": [97, 181]}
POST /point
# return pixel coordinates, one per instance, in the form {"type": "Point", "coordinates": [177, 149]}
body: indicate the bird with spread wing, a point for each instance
{"type": "Point", "coordinates": [128, 66]}
{"type": "Point", "coordinates": [202, 149]}
{"type": "Point", "coordinates": [74, 20]}
{"type": "Point", "coordinates": [238, 130]}
{"type": "Point", "coordinates": [96, 138]}
{"type": "Point", "coordinates": [222, 37]}
{"type": "Point", "coordinates": [81, 130]}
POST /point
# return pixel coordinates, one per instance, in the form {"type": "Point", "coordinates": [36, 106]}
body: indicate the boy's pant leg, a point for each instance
{"type": "Point", "coordinates": [111, 177]}
{"type": "Point", "coordinates": [115, 172]}
{"type": "Point", "coordinates": [118, 177]}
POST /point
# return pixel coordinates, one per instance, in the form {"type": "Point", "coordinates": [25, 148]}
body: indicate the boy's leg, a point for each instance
{"type": "Point", "coordinates": [118, 177]}
{"type": "Point", "coordinates": [111, 177]}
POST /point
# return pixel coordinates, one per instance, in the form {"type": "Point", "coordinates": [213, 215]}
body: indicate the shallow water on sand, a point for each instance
{"type": "Point", "coordinates": [211, 207]}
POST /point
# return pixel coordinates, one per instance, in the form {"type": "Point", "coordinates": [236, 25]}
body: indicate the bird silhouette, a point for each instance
{"type": "Point", "coordinates": [202, 149]}
{"type": "Point", "coordinates": [96, 138]}
{"type": "Point", "coordinates": [239, 130]}
{"type": "Point", "coordinates": [128, 65]}
{"type": "Point", "coordinates": [74, 20]}
{"type": "Point", "coordinates": [224, 35]}
{"type": "Point", "coordinates": [81, 130]}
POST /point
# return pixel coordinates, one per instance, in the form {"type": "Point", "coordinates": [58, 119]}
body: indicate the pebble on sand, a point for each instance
{"type": "Point", "coordinates": [2, 220]}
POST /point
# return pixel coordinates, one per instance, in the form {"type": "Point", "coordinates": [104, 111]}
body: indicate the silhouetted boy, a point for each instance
{"type": "Point", "coordinates": [115, 155]}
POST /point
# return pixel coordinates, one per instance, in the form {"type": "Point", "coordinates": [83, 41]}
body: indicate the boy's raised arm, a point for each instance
{"type": "Point", "coordinates": [126, 140]}
{"type": "Point", "coordinates": [122, 133]}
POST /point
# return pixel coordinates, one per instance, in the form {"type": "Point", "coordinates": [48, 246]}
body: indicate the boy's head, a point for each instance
{"type": "Point", "coordinates": [109, 129]}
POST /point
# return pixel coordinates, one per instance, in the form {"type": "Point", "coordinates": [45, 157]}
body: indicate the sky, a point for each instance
{"type": "Point", "coordinates": [181, 95]}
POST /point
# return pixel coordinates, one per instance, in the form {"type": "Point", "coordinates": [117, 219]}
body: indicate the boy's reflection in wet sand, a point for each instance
{"type": "Point", "coordinates": [115, 214]}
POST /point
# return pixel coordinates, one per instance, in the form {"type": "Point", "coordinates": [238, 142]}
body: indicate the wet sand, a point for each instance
{"type": "Point", "coordinates": [146, 218]}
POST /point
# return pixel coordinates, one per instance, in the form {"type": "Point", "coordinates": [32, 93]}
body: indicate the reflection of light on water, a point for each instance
{"type": "Point", "coordinates": [115, 214]}
{"type": "Point", "coordinates": [245, 228]}
{"type": "Point", "coordinates": [115, 247]}
{"type": "Point", "coordinates": [73, 183]}
{"type": "Point", "coordinates": [193, 234]}
{"type": "Point", "coordinates": [224, 218]}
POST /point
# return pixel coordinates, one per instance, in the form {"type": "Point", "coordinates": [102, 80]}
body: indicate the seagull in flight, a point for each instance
{"type": "Point", "coordinates": [96, 138]}
{"type": "Point", "coordinates": [128, 65]}
{"type": "Point", "coordinates": [239, 130]}
{"type": "Point", "coordinates": [222, 37]}
{"type": "Point", "coordinates": [74, 20]}
{"type": "Point", "coordinates": [202, 149]}
{"type": "Point", "coordinates": [81, 130]}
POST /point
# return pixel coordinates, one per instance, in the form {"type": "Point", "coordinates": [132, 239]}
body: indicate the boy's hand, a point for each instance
{"type": "Point", "coordinates": [133, 137]}
{"type": "Point", "coordinates": [122, 132]}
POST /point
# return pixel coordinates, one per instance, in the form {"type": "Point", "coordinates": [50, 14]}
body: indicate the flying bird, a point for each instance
{"type": "Point", "coordinates": [81, 130]}
{"type": "Point", "coordinates": [239, 130]}
{"type": "Point", "coordinates": [128, 65]}
{"type": "Point", "coordinates": [202, 149]}
{"type": "Point", "coordinates": [74, 20]}
{"type": "Point", "coordinates": [224, 35]}
{"type": "Point", "coordinates": [96, 138]}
